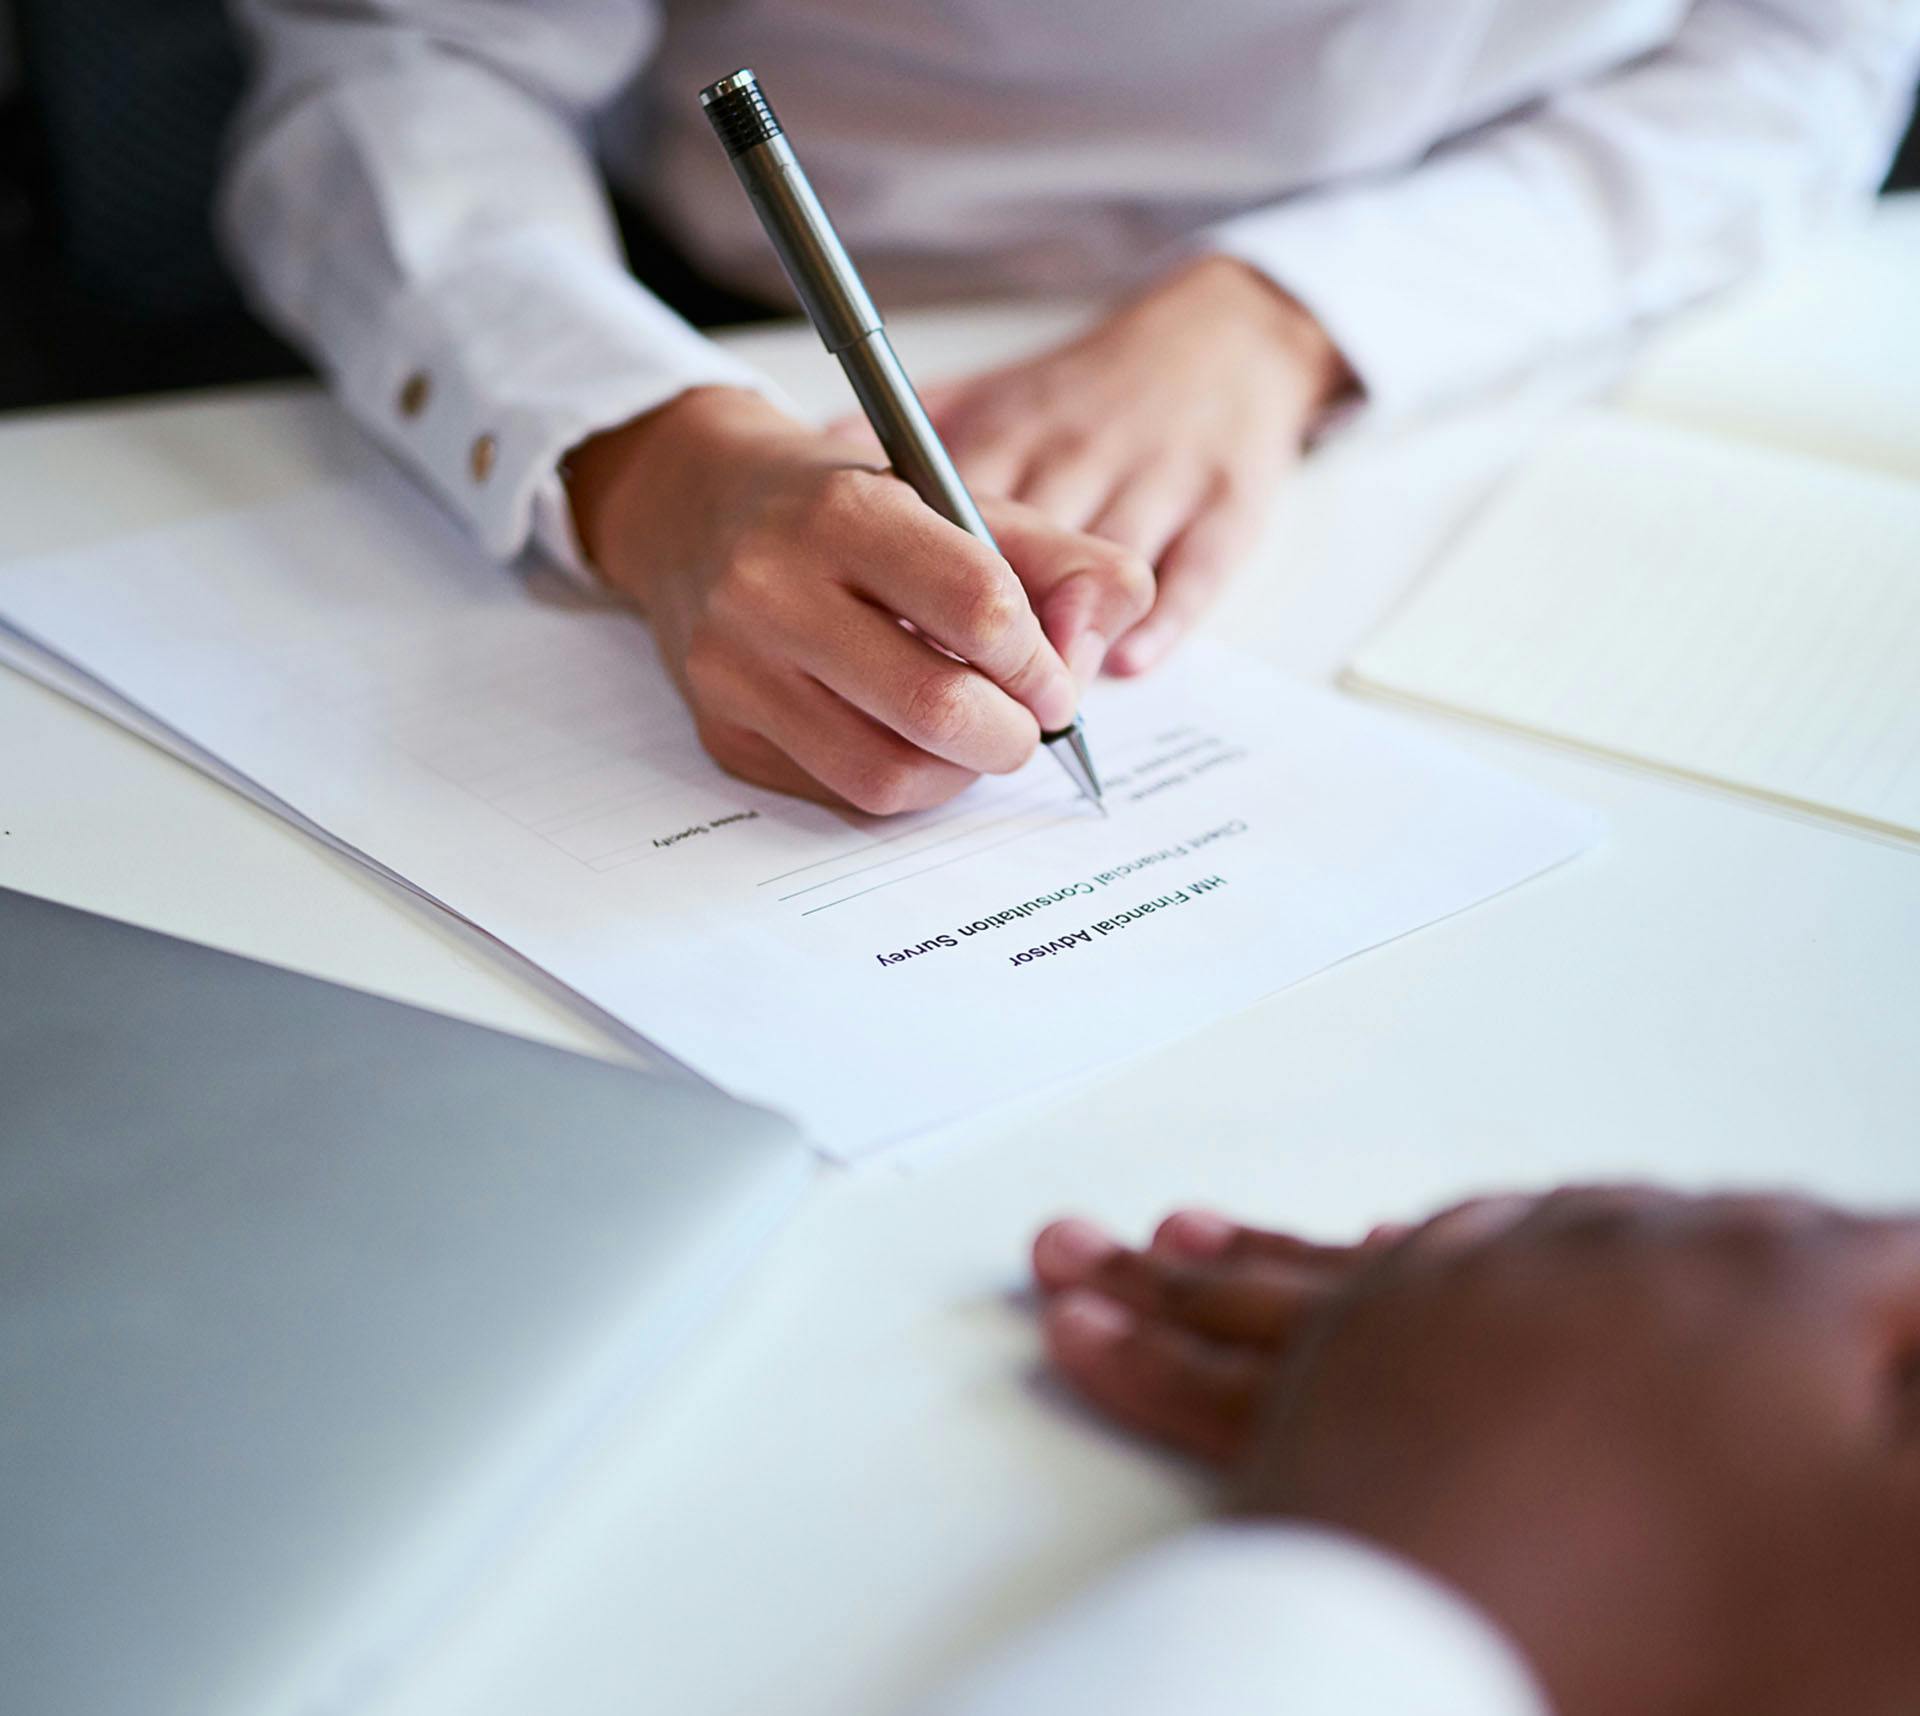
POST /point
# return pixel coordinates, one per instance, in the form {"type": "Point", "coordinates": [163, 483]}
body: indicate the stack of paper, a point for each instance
{"type": "Point", "coordinates": [516, 753]}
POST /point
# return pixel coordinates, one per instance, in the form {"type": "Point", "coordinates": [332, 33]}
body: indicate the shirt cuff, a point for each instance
{"type": "Point", "coordinates": [1434, 288]}
{"type": "Point", "coordinates": [1259, 1620]}
{"type": "Point", "coordinates": [486, 377]}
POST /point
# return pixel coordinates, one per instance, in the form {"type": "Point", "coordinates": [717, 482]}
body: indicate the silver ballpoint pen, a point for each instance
{"type": "Point", "coordinates": [849, 326]}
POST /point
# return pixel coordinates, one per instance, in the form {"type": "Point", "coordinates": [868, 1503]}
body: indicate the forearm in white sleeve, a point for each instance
{"type": "Point", "coordinates": [1613, 202]}
{"type": "Point", "coordinates": [1257, 1620]}
{"type": "Point", "coordinates": [411, 200]}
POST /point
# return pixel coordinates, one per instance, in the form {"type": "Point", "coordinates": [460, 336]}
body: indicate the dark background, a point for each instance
{"type": "Point", "coordinates": [110, 142]}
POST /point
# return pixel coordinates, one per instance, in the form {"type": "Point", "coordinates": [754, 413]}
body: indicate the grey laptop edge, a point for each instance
{"type": "Point", "coordinates": [306, 1300]}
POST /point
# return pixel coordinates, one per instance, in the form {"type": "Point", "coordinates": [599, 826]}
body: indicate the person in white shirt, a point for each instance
{"type": "Point", "coordinates": [1609, 1452]}
{"type": "Point", "coordinates": [1297, 204]}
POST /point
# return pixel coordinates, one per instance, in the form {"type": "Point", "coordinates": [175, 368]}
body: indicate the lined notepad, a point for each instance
{"type": "Point", "coordinates": [1674, 585]}
{"type": "Point", "coordinates": [1724, 611]}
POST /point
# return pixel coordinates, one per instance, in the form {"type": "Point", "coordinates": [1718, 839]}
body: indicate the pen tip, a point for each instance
{"type": "Point", "coordinates": [1069, 746]}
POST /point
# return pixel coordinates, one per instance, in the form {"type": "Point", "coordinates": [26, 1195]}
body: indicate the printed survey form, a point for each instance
{"type": "Point", "coordinates": [516, 752]}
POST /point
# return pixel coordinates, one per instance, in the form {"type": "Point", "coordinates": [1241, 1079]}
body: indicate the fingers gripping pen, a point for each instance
{"type": "Point", "coordinates": [849, 326]}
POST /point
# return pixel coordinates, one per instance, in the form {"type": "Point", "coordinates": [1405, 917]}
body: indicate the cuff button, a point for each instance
{"type": "Point", "coordinates": [415, 391]}
{"type": "Point", "coordinates": [481, 456]}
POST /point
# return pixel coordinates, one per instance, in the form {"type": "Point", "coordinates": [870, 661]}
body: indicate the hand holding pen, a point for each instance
{"type": "Point", "coordinates": [835, 298]}
{"type": "Point", "coordinates": [776, 566]}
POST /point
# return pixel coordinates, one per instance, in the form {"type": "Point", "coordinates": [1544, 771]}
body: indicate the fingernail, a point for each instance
{"type": "Point", "coordinates": [1085, 656]}
{"type": "Point", "coordinates": [1194, 1233]}
{"type": "Point", "coordinates": [1090, 1320]}
{"type": "Point", "coordinates": [1056, 709]}
{"type": "Point", "coordinates": [1072, 1249]}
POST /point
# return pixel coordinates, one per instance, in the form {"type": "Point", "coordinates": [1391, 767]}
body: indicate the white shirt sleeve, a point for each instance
{"type": "Point", "coordinates": [1257, 1620]}
{"type": "Point", "coordinates": [411, 199]}
{"type": "Point", "coordinates": [1618, 200]}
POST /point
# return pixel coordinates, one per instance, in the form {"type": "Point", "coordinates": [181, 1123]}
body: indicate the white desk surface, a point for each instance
{"type": "Point", "coordinates": [859, 1479]}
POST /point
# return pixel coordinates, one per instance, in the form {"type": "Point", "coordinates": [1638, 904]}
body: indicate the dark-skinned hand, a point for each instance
{"type": "Point", "coordinates": [1671, 1445]}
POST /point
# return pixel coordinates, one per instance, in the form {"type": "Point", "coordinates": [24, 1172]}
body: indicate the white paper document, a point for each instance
{"type": "Point", "coordinates": [515, 751]}
{"type": "Point", "coordinates": [1728, 612]}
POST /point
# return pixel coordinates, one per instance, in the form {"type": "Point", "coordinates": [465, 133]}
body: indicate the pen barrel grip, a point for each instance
{"type": "Point", "coordinates": [912, 447]}
{"type": "Point", "coordinates": [810, 251]}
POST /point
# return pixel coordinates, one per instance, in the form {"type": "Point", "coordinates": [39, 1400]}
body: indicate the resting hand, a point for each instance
{"type": "Point", "coordinates": [1671, 1445]}
{"type": "Point", "coordinates": [1165, 428]}
{"type": "Point", "coordinates": [776, 569]}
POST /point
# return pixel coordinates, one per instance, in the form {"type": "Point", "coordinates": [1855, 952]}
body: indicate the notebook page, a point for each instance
{"type": "Point", "coordinates": [1731, 613]}
{"type": "Point", "coordinates": [1822, 358]}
